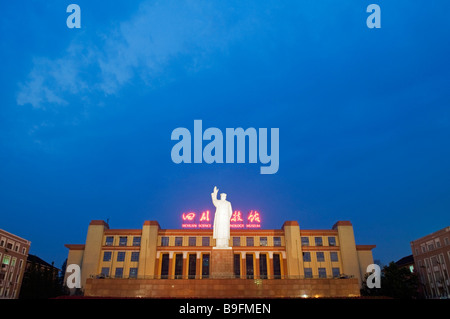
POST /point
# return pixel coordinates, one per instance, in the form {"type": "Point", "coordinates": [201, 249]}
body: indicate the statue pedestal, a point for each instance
{"type": "Point", "coordinates": [222, 263]}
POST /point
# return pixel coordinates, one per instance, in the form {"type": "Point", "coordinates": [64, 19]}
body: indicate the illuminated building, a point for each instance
{"type": "Point", "coordinates": [431, 257]}
{"type": "Point", "coordinates": [13, 256]}
{"type": "Point", "coordinates": [155, 262]}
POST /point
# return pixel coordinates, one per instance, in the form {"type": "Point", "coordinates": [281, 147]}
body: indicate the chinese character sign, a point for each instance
{"type": "Point", "coordinates": [205, 221]}
{"type": "Point", "coordinates": [238, 220]}
{"type": "Point", "coordinates": [253, 219]}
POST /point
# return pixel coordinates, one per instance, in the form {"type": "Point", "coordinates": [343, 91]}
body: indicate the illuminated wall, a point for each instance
{"type": "Point", "coordinates": [286, 253]}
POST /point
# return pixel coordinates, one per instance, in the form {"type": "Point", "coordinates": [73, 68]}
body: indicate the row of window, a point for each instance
{"type": "Point", "coordinates": [318, 241]}
{"type": "Point", "coordinates": [118, 273]}
{"type": "Point", "coordinates": [192, 241]}
{"type": "Point", "coordinates": [123, 241]}
{"type": "Point", "coordinates": [322, 272]}
{"type": "Point", "coordinates": [432, 245]}
{"type": "Point", "coordinates": [249, 241]}
{"type": "Point", "coordinates": [205, 265]}
{"type": "Point", "coordinates": [205, 262]}
{"type": "Point", "coordinates": [10, 261]}
{"type": "Point", "coordinates": [107, 256]}
{"type": "Point", "coordinates": [10, 245]}
{"type": "Point", "coordinates": [320, 256]}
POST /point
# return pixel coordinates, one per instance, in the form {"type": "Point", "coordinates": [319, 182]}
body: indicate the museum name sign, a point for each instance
{"type": "Point", "coordinates": [204, 220]}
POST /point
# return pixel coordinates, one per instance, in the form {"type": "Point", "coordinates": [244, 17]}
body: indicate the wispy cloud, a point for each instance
{"type": "Point", "coordinates": [140, 48]}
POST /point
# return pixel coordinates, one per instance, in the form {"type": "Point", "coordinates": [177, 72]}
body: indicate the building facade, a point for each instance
{"type": "Point", "coordinates": [432, 259]}
{"type": "Point", "coordinates": [153, 256]}
{"type": "Point", "coordinates": [13, 255]}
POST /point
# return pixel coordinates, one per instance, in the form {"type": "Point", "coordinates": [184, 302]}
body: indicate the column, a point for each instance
{"type": "Point", "coordinates": [293, 255]}
{"type": "Point", "coordinates": [148, 267]}
{"type": "Point", "coordinates": [92, 250]}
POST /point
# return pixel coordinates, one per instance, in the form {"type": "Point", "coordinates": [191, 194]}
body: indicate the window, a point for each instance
{"type": "Point", "coordinates": [16, 248]}
{"type": "Point", "coordinates": [178, 241]}
{"type": "Point", "coordinates": [263, 266]}
{"type": "Point", "coordinates": [306, 256]}
{"type": "Point", "coordinates": [263, 241]}
{"type": "Point", "coordinates": [249, 264]}
{"type": "Point", "coordinates": [205, 264]}
{"type": "Point", "coordinates": [24, 250]}
{"type": "Point", "coordinates": [9, 245]}
{"type": "Point", "coordinates": [119, 272]}
{"type": "Point", "coordinates": [165, 266]}
{"type": "Point", "coordinates": [320, 256]}
{"type": "Point", "coordinates": [205, 241]}
{"type": "Point", "coordinates": [430, 247]}
{"type": "Point", "coordinates": [332, 241]}
{"type": "Point", "coordinates": [277, 241]}
{"type": "Point", "coordinates": [192, 241]}
{"type": "Point", "coordinates": [318, 241]}
{"type": "Point", "coordinates": [2, 243]}
{"type": "Point", "coordinates": [305, 241]}
{"type": "Point", "coordinates": [334, 256]}
{"type": "Point", "coordinates": [237, 265]}
{"type": "Point", "coordinates": [308, 273]}
{"type": "Point", "coordinates": [276, 266]}
{"type": "Point", "coordinates": [136, 241]}
{"type": "Point", "coordinates": [107, 256]}
{"type": "Point", "coordinates": [446, 242]}
{"type": "Point", "coordinates": [178, 266]}
{"type": "Point", "coordinates": [322, 273]}
{"type": "Point", "coordinates": [122, 241]}
{"type": "Point", "coordinates": [236, 241]}
{"type": "Point", "coordinates": [133, 273]}
{"type": "Point", "coordinates": [192, 266]}
{"type": "Point", "coordinates": [109, 241]}
{"type": "Point", "coordinates": [164, 241]}
{"type": "Point", "coordinates": [105, 272]}
{"type": "Point", "coordinates": [6, 260]}
{"type": "Point", "coordinates": [135, 256]}
{"type": "Point", "coordinates": [121, 256]}
{"type": "Point", "coordinates": [250, 241]}
{"type": "Point", "coordinates": [336, 272]}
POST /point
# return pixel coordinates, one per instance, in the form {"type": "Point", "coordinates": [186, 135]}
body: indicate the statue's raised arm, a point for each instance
{"type": "Point", "coordinates": [214, 196]}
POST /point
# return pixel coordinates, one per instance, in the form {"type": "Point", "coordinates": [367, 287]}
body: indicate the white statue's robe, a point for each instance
{"type": "Point", "coordinates": [221, 231]}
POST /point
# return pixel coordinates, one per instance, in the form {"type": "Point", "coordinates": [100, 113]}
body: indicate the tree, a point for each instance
{"type": "Point", "coordinates": [396, 282]}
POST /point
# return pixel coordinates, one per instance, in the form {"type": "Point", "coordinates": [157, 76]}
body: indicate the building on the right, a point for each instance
{"type": "Point", "coordinates": [432, 261]}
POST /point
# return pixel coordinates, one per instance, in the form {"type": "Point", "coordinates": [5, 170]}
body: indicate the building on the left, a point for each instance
{"type": "Point", "coordinates": [13, 255]}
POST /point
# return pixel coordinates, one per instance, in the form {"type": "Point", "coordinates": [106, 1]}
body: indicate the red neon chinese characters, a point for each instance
{"type": "Point", "coordinates": [205, 216]}
{"type": "Point", "coordinates": [204, 220]}
{"type": "Point", "coordinates": [236, 220]}
{"type": "Point", "coordinates": [189, 216]}
{"type": "Point", "coordinates": [253, 219]}
{"type": "Point", "coordinates": [237, 216]}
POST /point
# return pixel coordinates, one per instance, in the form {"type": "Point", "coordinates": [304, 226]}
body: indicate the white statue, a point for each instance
{"type": "Point", "coordinates": [221, 231]}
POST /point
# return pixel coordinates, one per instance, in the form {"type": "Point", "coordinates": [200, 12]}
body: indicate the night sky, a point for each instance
{"type": "Point", "coordinates": [86, 115]}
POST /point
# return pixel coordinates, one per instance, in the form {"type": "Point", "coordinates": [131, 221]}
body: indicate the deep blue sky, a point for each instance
{"type": "Point", "coordinates": [86, 115]}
